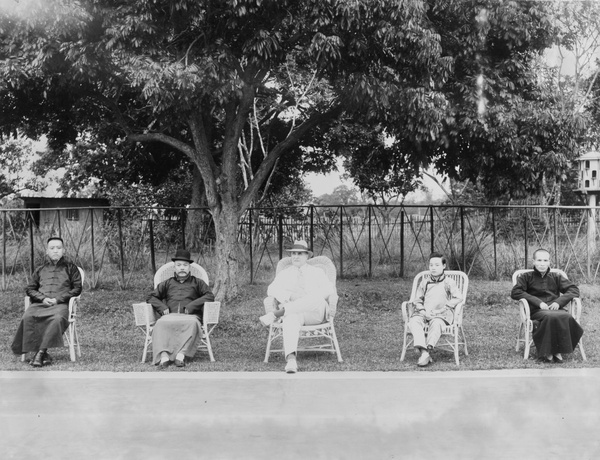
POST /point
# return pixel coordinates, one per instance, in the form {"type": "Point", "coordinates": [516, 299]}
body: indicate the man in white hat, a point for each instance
{"type": "Point", "coordinates": [301, 291]}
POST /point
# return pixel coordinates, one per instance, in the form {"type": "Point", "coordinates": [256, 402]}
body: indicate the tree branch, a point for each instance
{"type": "Point", "coordinates": [293, 138]}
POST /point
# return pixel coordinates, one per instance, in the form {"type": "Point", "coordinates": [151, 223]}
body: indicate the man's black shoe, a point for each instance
{"type": "Point", "coordinates": [38, 360]}
{"type": "Point", "coordinates": [47, 360]}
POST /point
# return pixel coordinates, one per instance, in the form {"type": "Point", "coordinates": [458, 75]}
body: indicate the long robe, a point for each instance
{"type": "Point", "coordinates": [180, 331]}
{"type": "Point", "coordinates": [555, 331]}
{"type": "Point", "coordinates": [42, 326]}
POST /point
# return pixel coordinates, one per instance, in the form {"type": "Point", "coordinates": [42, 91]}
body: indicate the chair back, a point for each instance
{"type": "Point", "coordinates": [460, 278]}
{"type": "Point", "coordinates": [82, 273]}
{"type": "Point", "coordinates": [322, 262]}
{"type": "Point", "coordinates": [527, 270]}
{"type": "Point", "coordinates": [167, 270]}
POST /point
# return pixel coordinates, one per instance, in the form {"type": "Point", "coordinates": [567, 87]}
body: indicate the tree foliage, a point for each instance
{"type": "Point", "coordinates": [14, 155]}
{"type": "Point", "coordinates": [242, 87]}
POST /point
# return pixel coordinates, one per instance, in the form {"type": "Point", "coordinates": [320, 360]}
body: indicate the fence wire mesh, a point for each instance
{"type": "Point", "coordinates": [124, 246]}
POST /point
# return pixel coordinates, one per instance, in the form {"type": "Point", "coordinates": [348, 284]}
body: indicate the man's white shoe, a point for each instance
{"type": "Point", "coordinates": [291, 367]}
{"type": "Point", "coordinates": [425, 359]}
{"type": "Point", "coordinates": [268, 319]}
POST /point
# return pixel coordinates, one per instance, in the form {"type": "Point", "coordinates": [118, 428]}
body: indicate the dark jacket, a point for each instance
{"type": "Point", "coordinates": [59, 281]}
{"type": "Point", "coordinates": [186, 296]}
{"type": "Point", "coordinates": [536, 287]}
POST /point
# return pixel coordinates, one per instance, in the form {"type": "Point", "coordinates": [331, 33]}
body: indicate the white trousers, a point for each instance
{"type": "Point", "coordinates": [417, 323]}
{"type": "Point", "coordinates": [308, 310]}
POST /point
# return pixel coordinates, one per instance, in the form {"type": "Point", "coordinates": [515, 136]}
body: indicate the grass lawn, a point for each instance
{"type": "Point", "coordinates": [368, 323]}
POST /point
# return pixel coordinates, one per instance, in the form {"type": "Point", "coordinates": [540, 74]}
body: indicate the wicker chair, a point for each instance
{"type": "Point", "coordinates": [70, 335]}
{"type": "Point", "coordinates": [453, 334]}
{"type": "Point", "coordinates": [324, 332]}
{"type": "Point", "coordinates": [525, 328]}
{"type": "Point", "coordinates": [145, 317]}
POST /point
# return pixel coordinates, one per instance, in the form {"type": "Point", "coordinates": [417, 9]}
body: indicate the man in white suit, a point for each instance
{"type": "Point", "coordinates": [301, 291]}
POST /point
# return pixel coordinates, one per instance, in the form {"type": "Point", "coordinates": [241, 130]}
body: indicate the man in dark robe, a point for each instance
{"type": "Point", "coordinates": [47, 318]}
{"type": "Point", "coordinates": [548, 294]}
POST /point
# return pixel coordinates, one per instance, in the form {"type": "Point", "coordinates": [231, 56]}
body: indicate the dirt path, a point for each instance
{"type": "Point", "coordinates": [406, 415]}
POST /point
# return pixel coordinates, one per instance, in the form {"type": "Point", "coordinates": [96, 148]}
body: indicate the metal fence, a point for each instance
{"type": "Point", "coordinates": [123, 246]}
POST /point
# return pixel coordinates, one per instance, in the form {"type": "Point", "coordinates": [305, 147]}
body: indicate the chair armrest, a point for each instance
{"type": "Point", "coordinates": [144, 314]}
{"type": "Point", "coordinates": [27, 302]}
{"type": "Point", "coordinates": [211, 312]}
{"type": "Point", "coordinates": [332, 302]}
{"type": "Point", "coordinates": [575, 308]}
{"type": "Point", "coordinates": [458, 313]}
{"type": "Point", "coordinates": [73, 304]}
{"type": "Point", "coordinates": [524, 310]}
{"type": "Point", "coordinates": [270, 304]}
{"type": "Point", "coordinates": [407, 310]}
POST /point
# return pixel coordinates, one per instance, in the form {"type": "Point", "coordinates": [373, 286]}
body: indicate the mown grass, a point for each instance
{"type": "Point", "coordinates": [369, 327]}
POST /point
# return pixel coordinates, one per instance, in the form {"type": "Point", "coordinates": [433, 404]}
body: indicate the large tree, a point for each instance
{"type": "Point", "coordinates": [217, 79]}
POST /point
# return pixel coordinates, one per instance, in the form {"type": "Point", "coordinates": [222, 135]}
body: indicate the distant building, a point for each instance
{"type": "Point", "coordinates": [47, 212]}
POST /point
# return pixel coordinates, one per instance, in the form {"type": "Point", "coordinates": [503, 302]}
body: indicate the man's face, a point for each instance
{"type": "Point", "coordinates": [541, 261]}
{"type": "Point", "coordinates": [299, 258]}
{"type": "Point", "coordinates": [55, 250]}
{"type": "Point", "coordinates": [182, 268]}
{"type": "Point", "coordinates": [436, 266]}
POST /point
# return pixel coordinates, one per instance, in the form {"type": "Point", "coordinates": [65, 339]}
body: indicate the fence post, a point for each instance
{"type": "Point", "coordinates": [3, 250]}
{"type": "Point", "coordinates": [93, 280]}
{"type": "Point", "coordinates": [555, 236]}
{"type": "Point", "coordinates": [402, 243]}
{"type": "Point", "coordinates": [495, 245]}
{"type": "Point", "coordinates": [431, 229]}
{"type": "Point", "coordinates": [370, 245]}
{"type": "Point", "coordinates": [525, 237]}
{"type": "Point", "coordinates": [280, 235]}
{"type": "Point", "coordinates": [182, 221]}
{"type": "Point", "coordinates": [341, 242]}
{"type": "Point", "coordinates": [31, 255]}
{"type": "Point", "coordinates": [312, 227]}
{"type": "Point", "coordinates": [462, 238]}
{"type": "Point", "coordinates": [120, 226]}
{"type": "Point", "coordinates": [151, 235]}
{"type": "Point", "coordinates": [250, 212]}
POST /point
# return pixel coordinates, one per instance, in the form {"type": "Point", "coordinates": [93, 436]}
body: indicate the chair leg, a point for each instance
{"type": "Point", "coordinates": [404, 344]}
{"type": "Point", "coordinates": [464, 338]}
{"type": "Point", "coordinates": [209, 347]}
{"type": "Point", "coordinates": [519, 335]}
{"type": "Point", "coordinates": [23, 355]}
{"type": "Point", "coordinates": [336, 344]}
{"type": "Point", "coordinates": [581, 350]}
{"type": "Point", "coordinates": [456, 350]}
{"type": "Point", "coordinates": [146, 344]}
{"type": "Point", "coordinates": [268, 351]}
{"type": "Point", "coordinates": [527, 343]}
{"type": "Point", "coordinates": [77, 343]}
{"type": "Point", "coordinates": [71, 341]}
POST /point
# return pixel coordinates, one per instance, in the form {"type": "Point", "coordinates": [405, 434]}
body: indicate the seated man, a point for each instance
{"type": "Point", "coordinates": [437, 296]}
{"type": "Point", "coordinates": [180, 303]}
{"type": "Point", "coordinates": [547, 294]}
{"type": "Point", "coordinates": [302, 291]}
{"type": "Point", "coordinates": [47, 318]}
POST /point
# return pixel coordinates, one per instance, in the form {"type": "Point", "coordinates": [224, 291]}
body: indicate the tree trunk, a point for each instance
{"type": "Point", "coordinates": [227, 254]}
{"type": "Point", "coordinates": [196, 219]}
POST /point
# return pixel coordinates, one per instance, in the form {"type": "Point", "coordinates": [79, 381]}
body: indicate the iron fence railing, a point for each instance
{"type": "Point", "coordinates": [122, 246]}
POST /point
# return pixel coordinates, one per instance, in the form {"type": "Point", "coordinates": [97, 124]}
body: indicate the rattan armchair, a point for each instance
{"type": "Point", "coordinates": [145, 317]}
{"type": "Point", "coordinates": [322, 337]}
{"type": "Point", "coordinates": [453, 335]}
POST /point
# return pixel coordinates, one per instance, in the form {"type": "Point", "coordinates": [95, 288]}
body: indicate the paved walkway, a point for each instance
{"type": "Point", "coordinates": [526, 414]}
